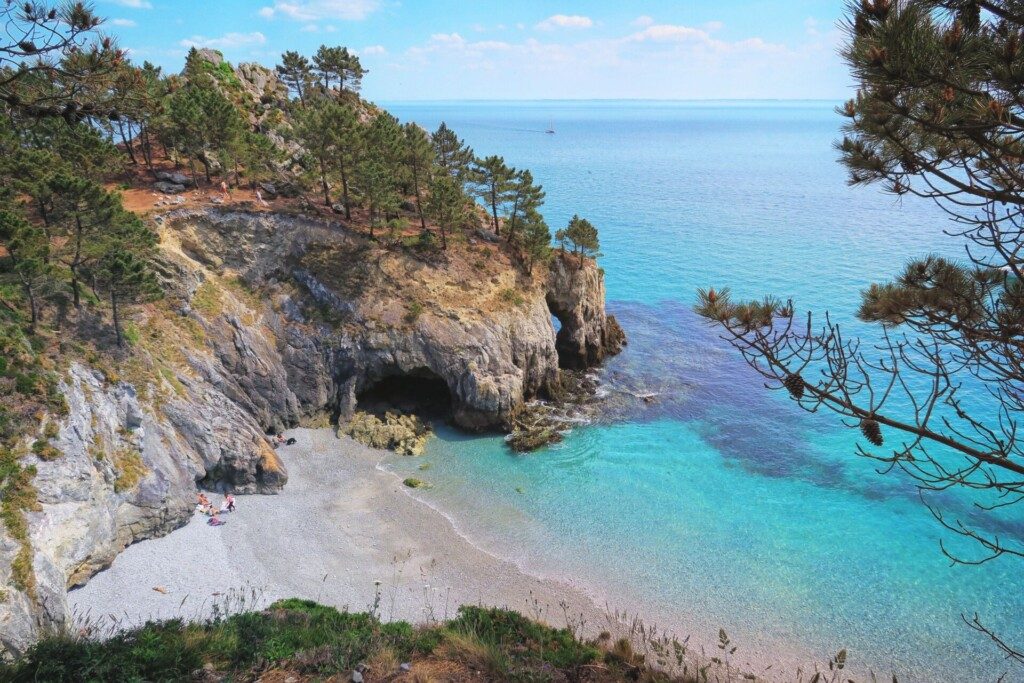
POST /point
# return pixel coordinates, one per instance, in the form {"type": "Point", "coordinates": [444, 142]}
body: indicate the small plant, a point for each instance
{"type": "Point", "coordinates": [414, 312]}
{"type": "Point", "coordinates": [44, 450]}
{"type": "Point", "coordinates": [131, 333]}
{"type": "Point", "coordinates": [207, 299]}
{"type": "Point", "coordinates": [130, 469]}
{"type": "Point", "coordinates": [511, 296]}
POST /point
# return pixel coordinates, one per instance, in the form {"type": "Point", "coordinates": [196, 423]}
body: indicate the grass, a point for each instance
{"type": "Point", "coordinates": [207, 299]}
{"type": "Point", "coordinates": [304, 638]}
{"type": "Point", "coordinates": [511, 296]}
{"type": "Point", "coordinates": [130, 469]}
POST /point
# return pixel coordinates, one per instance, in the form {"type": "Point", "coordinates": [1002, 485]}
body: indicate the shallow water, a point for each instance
{"type": "Point", "coordinates": [721, 505]}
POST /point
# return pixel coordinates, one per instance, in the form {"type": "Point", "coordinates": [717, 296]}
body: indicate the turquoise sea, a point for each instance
{"type": "Point", "coordinates": [721, 504]}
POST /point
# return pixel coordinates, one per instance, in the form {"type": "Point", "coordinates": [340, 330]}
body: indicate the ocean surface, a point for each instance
{"type": "Point", "coordinates": [721, 504]}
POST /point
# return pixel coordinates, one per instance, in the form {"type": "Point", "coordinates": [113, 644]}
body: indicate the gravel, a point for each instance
{"type": "Point", "coordinates": [343, 532]}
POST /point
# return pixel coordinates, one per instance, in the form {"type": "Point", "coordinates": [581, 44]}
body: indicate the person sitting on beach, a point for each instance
{"type": "Point", "coordinates": [280, 438]}
{"type": "Point", "coordinates": [215, 520]}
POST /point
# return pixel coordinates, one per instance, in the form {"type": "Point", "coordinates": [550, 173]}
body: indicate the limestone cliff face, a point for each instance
{"type": "Point", "coordinates": [269, 320]}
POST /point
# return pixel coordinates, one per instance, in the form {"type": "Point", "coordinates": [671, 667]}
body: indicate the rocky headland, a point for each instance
{"type": "Point", "coordinates": [274, 320]}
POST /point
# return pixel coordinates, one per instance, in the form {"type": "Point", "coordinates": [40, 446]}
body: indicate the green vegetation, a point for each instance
{"type": "Point", "coordinates": [414, 312]}
{"type": "Point", "coordinates": [130, 469]}
{"type": "Point", "coordinates": [78, 270]}
{"type": "Point", "coordinates": [414, 483]}
{"type": "Point", "coordinates": [303, 638]}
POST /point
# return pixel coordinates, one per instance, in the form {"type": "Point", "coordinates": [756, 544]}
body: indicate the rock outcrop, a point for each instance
{"type": "Point", "coordinates": [270, 319]}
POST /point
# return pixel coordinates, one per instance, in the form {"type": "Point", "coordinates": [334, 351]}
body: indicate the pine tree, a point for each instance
{"type": "Point", "coordinates": [347, 145]}
{"type": "Point", "coordinates": [315, 135]}
{"type": "Point", "coordinates": [419, 158]}
{"type": "Point", "coordinates": [493, 179]}
{"type": "Point", "coordinates": [582, 235]}
{"type": "Point", "coordinates": [447, 206]}
{"type": "Point", "coordinates": [28, 249]}
{"type": "Point", "coordinates": [535, 239]}
{"type": "Point", "coordinates": [526, 197]}
{"type": "Point", "coordinates": [353, 72]}
{"type": "Point", "coordinates": [124, 270]}
{"type": "Point", "coordinates": [81, 211]}
{"type": "Point", "coordinates": [295, 72]}
{"type": "Point", "coordinates": [451, 154]}
{"type": "Point", "coordinates": [330, 63]}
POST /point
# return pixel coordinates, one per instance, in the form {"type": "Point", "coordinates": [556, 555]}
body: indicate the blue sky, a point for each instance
{"type": "Point", "coordinates": [523, 49]}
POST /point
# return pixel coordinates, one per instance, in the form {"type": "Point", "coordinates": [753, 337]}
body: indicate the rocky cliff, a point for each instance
{"type": "Point", "coordinates": [272, 320]}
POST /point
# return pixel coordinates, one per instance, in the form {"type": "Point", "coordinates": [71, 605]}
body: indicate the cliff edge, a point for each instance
{"type": "Point", "coordinates": [272, 320]}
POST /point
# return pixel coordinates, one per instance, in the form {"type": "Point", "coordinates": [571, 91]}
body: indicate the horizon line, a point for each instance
{"type": "Point", "coordinates": [610, 99]}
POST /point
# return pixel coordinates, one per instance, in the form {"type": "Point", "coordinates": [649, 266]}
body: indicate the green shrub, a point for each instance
{"type": "Point", "coordinates": [512, 296]}
{"type": "Point", "coordinates": [131, 333]}
{"type": "Point", "coordinates": [414, 312]}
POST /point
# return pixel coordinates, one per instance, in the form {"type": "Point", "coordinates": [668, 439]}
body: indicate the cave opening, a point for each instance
{"type": "Point", "coordinates": [566, 359]}
{"type": "Point", "coordinates": [420, 392]}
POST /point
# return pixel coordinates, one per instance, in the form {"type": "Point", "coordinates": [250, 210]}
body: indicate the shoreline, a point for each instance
{"type": "Point", "coordinates": [346, 532]}
{"type": "Point", "coordinates": [342, 524]}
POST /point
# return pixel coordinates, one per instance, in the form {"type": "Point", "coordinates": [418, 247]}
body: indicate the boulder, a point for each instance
{"type": "Point", "coordinates": [269, 190]}
{"type": "Point", "coordinates": [403, 434]}
{"type": "Point", "coordinates": [168, 187]}
{"type": "Point", "coordinates": [174, 177]}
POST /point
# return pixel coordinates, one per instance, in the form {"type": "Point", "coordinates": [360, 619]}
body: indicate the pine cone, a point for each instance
{"type": "Point", "coordinates": [871, 431]}
{"type": "Point", "coordinates": [794, 384]}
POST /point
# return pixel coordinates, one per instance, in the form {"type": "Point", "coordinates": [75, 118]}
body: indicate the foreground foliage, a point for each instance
{"type": "Point", "coordinates": [308, 639]}
{"type": "Point", "coordinates": [938, 114]}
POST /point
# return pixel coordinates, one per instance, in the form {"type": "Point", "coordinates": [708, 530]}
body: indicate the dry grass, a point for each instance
{"type": "Point", "coordinates": [130, 469]}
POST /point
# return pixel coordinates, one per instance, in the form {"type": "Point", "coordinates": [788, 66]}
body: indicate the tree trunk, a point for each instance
{"type": "Point", "coordinates": [76, 293]}
{"type": "Point", "coordinates": [33, 306]}
{"type": "Point", "coordinates": [147, 147]}
{"type": "Point", "coordinates": [494, 208]}
{"type": "Point", "coordinates": [344, 192]}
{"type": "Point", "coordinates": [117, 318]}
{"type": "Point", "coordinates": [127, 143]}
{"type": "Point", "coordinates": [192, 165]}
{"type": "Point", "coordinates": [323, 184]}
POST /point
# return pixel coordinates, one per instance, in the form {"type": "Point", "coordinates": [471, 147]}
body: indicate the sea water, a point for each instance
{"type": "Point", "coordinates": [721, 504]}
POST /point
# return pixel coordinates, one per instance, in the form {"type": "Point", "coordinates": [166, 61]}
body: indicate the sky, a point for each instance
{"type": "Point", "coordinates": [517, 49]}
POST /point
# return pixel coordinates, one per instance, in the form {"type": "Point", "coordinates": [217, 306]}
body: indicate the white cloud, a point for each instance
{"type": "Point", "coordinates": [228, 40]}
{"type": "Point", "coordinates": [713, 26]}
{"type": "Point", "coordinates": [374, 50]}
{"type": "Point", "coordinates": [565, 21]}
{"type": "Point", "coordinates": [312, 10]}
{"type": "Point", "coordinates": [653, 61]}
{"type": "Point", "coordinates": [642, 21]}
{"type": "Point", "coordinates": [122, 22]}
{"type": "Point", "coordinates": [310, 28]}
{"type": "Point", "coordinates": [669, 33]}
{"type": "Point", "coordinates": [137, 4]}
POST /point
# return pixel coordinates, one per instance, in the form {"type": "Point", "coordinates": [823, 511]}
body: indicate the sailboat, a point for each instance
{"type": "Point", "coordinates": [551, 128]}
